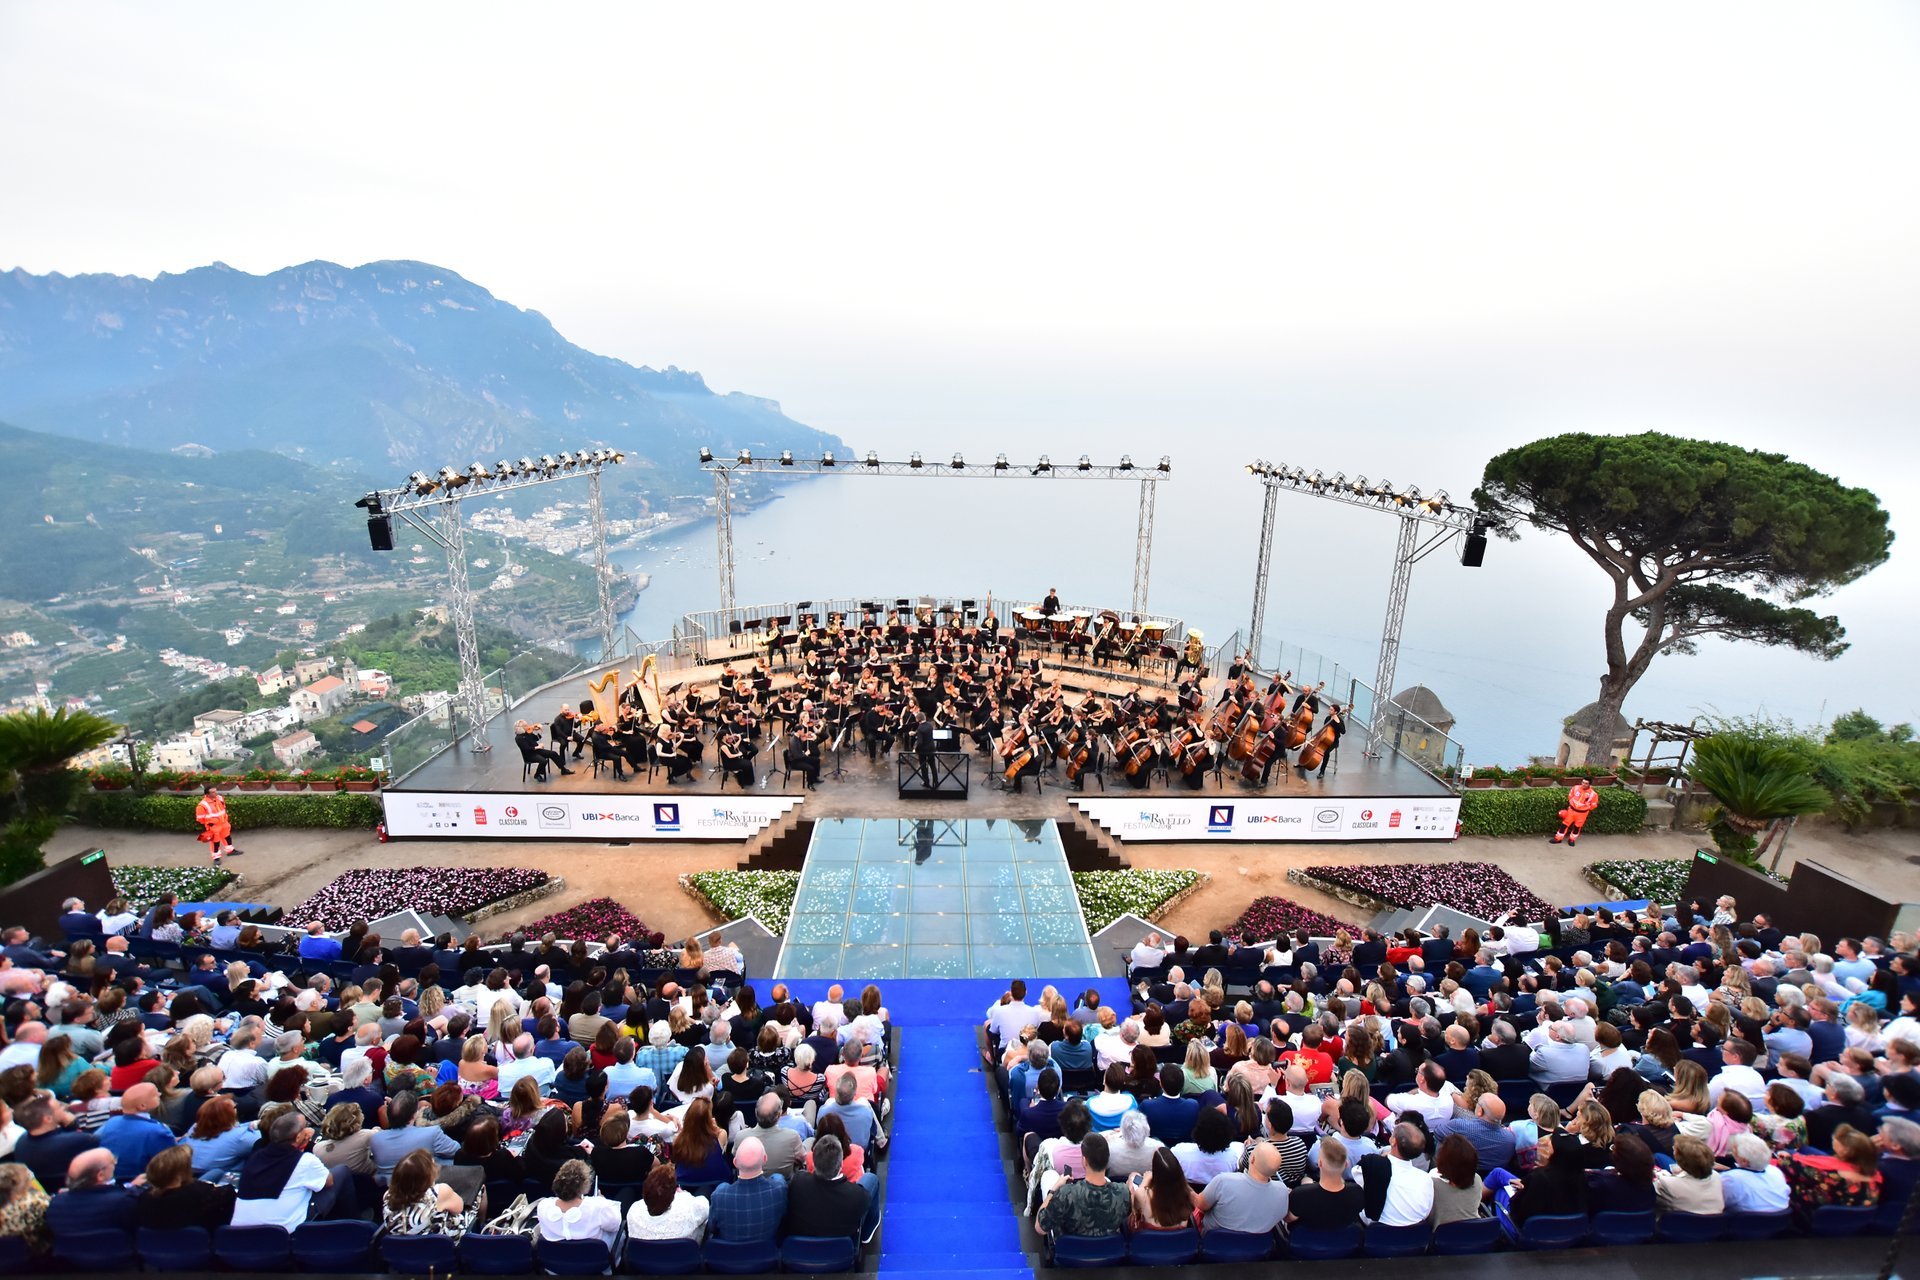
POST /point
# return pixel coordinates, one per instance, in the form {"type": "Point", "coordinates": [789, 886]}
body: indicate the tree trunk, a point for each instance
{"type": "Point", "coordinates": [1613, 695]}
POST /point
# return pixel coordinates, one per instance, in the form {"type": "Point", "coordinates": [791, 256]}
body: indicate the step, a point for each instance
{"type": "Point", "coordinates": [946, 1260]}
{"type": "Point", "coordinates": [1004, 1273]}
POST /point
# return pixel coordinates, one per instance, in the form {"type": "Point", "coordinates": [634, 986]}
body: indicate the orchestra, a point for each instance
{"type": "Point", "coordinates": [879, 680]}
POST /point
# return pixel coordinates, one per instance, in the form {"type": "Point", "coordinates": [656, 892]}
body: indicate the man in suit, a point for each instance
{"type": "Point", "coordinates": [1436, 951]}
{"type": "Point", "coordinates": [923, 750]}
{"type": "Point", "coordinates": [1502, 1056]}
{"type": "Point", "coordinates": [92, 1201]}
{"type": "Point", "coordinates": [1213, 955]}
{"type": "Point", "coordinates": [75, 919]}
{"type": "Point", "coordinates": [824, 1203]}
{"type": "Point", "coordinates": [1369, 953]}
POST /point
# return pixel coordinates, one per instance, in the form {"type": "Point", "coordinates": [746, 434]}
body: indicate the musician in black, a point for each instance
{"type": "Point", "coordinates": [1051, 604]}
{"type": "Point", "coordinates": [803, 755]}
{"type": "Point", "coordinates": [566, 728]}
{"type": "Point", "coordinates": [737, 759]}
{"type": "Point", "coordinates": [679, 764]}
{"type": "Point", "coordinates": [1309, 697]}
{"type": "Point", "coordinates": [1337, 721]}
{"type": "Point", "coordinates": [923, 749]}
{"type": "Point", "coordinates": [526, 736]}
{"type": "Point", "coordinates": [1195, 754]}
{"type": "Point", "coordinates": [607, 749]}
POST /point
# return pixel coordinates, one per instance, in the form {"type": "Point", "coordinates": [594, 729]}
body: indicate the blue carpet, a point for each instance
{"type": "Point", "coordinates": [947, 1213]}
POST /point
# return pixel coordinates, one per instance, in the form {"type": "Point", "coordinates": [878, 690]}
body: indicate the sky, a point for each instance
{"type": "Point", "coordinates": [1394, 240]}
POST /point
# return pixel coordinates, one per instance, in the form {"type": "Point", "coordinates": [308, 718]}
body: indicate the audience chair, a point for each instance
{"type": "Point", "coordinates": [662, 1257]}
{"type": "Point", "coordinates": [345, 1246]}
{"type": "Point", "coordinates": [1758, 1226]}
{"type": "Point", "coordinates": [490, 1255]}
{"type": "Point", "coordinates": [1236, 1246]}
{"type": "Point", "coordinates": [1692, 1228]}
{"type": "Point", "coordinates": [1474, 1235]}
{"type": "Point", "coordinates": [94, 1250]}
{"type": "Point", "coordinates": [573, 1257]}
{"type": "Point", "coordinates": [419, 1255]}
{"type": "Point", "coordinates": [1164, 1248]}
{"type": "Point", "coordinates": [1079, 1080]}
{"type": "Point", "coordinates": [1308, 1245]}
{"type": "Point", "coordinates": [1397, 1242]}
{"type": "Point", "coordinates": [1553, 1231]}
{"type": "Point", "coordinates": [741, 1257]}
{"type": "Point", "coordinates": [1619, 1227]}
{"type": "Point", "coordinates": [253, 1249]}
{"type": "Point", "coordinates": [1839, 1220]}
{"type": "Point", "coordinates": [15, 1257]}
{"type": "Point", "coordinates": [1089, 1251]}
{"type": "Point", "coordinates": [818, 1255]}
{"type": "Point", "coordinates": [1564, 1092]}
{"type": "Point", "coordinates": [183, 1249]}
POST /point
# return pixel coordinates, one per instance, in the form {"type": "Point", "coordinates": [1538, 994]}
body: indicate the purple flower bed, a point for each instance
{"type": "Point", "coordinates": [592, 920]}
{"type": "Point", "coordinates": [1270, 918]}
{"type": "Point", "coordinates": [1477, 888]}
{"type": "Point", "coordinates": [440, 891]}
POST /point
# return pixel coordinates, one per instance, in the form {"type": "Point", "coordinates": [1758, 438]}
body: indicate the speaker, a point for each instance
{"type": "Point", "coordinates": [380, 532]}
{"type": "Point", "coordinates": [1474, 551]}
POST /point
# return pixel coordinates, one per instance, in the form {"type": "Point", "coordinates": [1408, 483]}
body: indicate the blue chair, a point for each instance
{"type": "Point", "coordinates": [1397, 1242]}
{"type": "Point", "coordinates": [344, 1247]}
{"type": "Point", "coordinates": [1164, 1248]}
{"type": "Point", "coordinates": [1839, 1220]}
{"type": "Point", "coordinates": [1553, 1231]}
{"type": "Point", "coordinates": [417, 1255]}
{"type": "Point", "coordinates": [1887, 1218]}
{"type": "Point", "coordinates": [1089, 1251]}
{"type": "Point", "coordinates": [741, 1257]}
{"type": "Point", "coordinates": [1516, 1094]}
{"type": "Point", "coordinates": [817, 1255]}
{"type": "Point", "coordinates": [485, 1255]}
{"type": "Point", "coordinates": [1758, 1226]}
{"type": "Point", "coordinates": [1473, 1235]}
{"type": "Point", "coordinates": [95, 1250]}
{"type": "Point", "coordinates": [184, 1249]}
{"type": "Point", "coordinates": [572, 1257]}
{"type": "Point", "coordinates": [1692, 1228]}
{"type": "Point", "coordinates": [1620, 1227]}
{"type": "Point", "coordinates": [14, 1255]}
{"type": "Point", "coordinates": [1309, 1245]}
{"type": "Point", "coordinates": [253, 1248]}
{"type": "Point", "coordinates": [1564, 1092]}
{"type": "Point", "coordinates": [1236, 1246]}
{"type": "Point", "coordinates": [662, 1257]}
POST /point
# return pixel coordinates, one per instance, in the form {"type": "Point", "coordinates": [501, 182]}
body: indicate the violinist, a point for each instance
{"type": "Point", "coordinates": [566, 728]}
{"type": "Point", "coordinates": [526, 736]}
{"type": "Point", "coordinates": [669, 754]}
{"type": "Point", "coordinates": [803, 756]}
{"type": "Point", "coordinates": [736, 757]}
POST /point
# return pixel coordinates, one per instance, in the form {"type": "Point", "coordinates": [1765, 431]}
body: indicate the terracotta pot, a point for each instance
{"type": "Point", "coordinates": [1479, 782]}
{"type": "Point", "coordinates": [1511, 782]}
{"type": "Point", "coordinates": [1606, 780]}
{"type": "Point", "coordinates": [253, 785]}
{"type": "Point", "coordinates": [290, 786]}
{"type": "Point", "coordinates": [184, 786]}
{"type": "Point", "coordinates": [323, 784]}
{"type": "Point", "coordinates": [1542, 782]}
{"type": "Point", "coordinates": [361, 786]}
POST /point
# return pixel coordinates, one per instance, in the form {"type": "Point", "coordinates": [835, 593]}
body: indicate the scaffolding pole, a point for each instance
{"type": "Point", "coordinates": [723, 515]}
{"type": "Point", "coordinates": [1263, 562]}
{"type": "Point", "coordinates": [1143, 548]}
{"type": "Point", "coordinates": [602, 570]}
{"type": "Point", "coordinates": [473, 690]}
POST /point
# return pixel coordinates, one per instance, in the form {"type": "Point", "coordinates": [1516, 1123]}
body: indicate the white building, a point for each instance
{"type": "Point", "coordinates": [321, 698]}
{"type": "Point", "coordinates": [295, 747]}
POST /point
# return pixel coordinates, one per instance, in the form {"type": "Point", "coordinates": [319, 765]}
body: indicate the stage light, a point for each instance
{"type": "Point", "coordinates": [913, 460]}
{"type": "Point", "coordinates": [1126, 462]}
{"type": "Point", "coordinates": [451, 479]}
{"type": "Point", "coordinates": [526, 467]}
{"type": "Point", "coordinates": [1166, 463]}
{"type": "Point", "coordinates": [503, 468]}
{"type": "Point", "coordinates": [478, 471]}
{"type": "Point", "coordinates": [826, 459]}
{"type": "Point", "coordinates": [1317, 480]}
{"type": "Point", "coordinates": [873, 459]}
{"type": "Point", "coordinates": [999, 462]}
{"type": "Point", "coordinates": [1085, 464]}
{"type": "Point", "coordinates": [746, 456]}
{"type": "Point", "coordinates": [1381, 490]}
{"type": "Point", "coordinates": [706, 455]}
{"type": "Point", "coordinates": [958, 462]}
{"type": "Point", "coordinates": [1359, 486]}
{"type": "Point", "coordinates": [1339, 480]}
{"type": "Point", "coordinates": [419, 483]}
{"type": "Point", "coordinates": [565, 460]}
{"type": "Point", "coordinates": [1045, 465]}
{"type": "Point", "coordinates": [786, 457]}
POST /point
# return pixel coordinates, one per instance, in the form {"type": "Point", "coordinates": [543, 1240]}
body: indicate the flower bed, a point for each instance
{"type": "Point", "coordinates": [594, 920]}
{"type": "Point", "coordinates": [767, 896]}
{"type": "Point", "coordinates": [1270, 918]}
{"type": "Point", "coordinates": [1105, 896]}
{"type": "Point", "coordinates": [443, 891]}
{"type": "Point", "coordinates": [1477, 888]}
{"type": "Point", "coordinates": [142, 886]}
{"type": "Point", "coordinates": [1662, 880]}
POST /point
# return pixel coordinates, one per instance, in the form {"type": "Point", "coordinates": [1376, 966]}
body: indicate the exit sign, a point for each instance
{"type": "Point", "coordinates": [88, 859]}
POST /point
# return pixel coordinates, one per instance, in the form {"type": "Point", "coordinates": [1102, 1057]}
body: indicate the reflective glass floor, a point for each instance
{"type": "Point", "coordinates": [936, 898]}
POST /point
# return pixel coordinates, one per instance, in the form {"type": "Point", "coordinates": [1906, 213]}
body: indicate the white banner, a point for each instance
{"type": "Point", "coordinates": [509, 815]}
{"type": "Point", "coordinates": [1282, 818]}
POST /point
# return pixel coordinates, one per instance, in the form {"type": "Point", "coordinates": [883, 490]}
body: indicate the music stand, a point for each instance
{"type": "Point", "coordinates": [839, 740]}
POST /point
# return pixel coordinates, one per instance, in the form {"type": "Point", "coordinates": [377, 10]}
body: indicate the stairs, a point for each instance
{"type": "Point", "coordinates": [1087, 847]}
{"type": "Point", "coordinates": [782, 846]}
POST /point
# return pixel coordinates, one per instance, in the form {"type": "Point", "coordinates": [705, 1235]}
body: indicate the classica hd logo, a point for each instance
{"type": "Point", "coordinates": [1366, 821]}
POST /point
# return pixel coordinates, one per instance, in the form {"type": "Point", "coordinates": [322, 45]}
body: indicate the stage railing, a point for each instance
{"type": "Point", "coordinates": [419, 740]}
{"type": "Point", "coordinates": [714, 626]}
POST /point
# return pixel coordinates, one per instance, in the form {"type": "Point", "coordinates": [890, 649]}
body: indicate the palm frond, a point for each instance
{"type": "Point", "coordinates": [1756, 781]}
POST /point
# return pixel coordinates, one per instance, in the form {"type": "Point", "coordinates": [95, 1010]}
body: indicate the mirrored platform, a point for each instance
{"type": "Point", "coordinates": [936, 898]}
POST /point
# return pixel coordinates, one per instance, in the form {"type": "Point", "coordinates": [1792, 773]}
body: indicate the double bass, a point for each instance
{"type": "Point", "coordinates": [1225, 721]}
{"type": "Point", "coordinates": [1314, 754]}
{"type": "Point", "coordinates": [1299, 728]}
{"type": "Point", "coordinates": [1246, 734]}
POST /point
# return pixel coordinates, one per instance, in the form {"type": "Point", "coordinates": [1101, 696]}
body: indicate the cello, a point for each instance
{"type": "Point", "coordinates": [1188, 749]}
{"type": "Point", "coordinates": [1267, 745]}
{"type": "Point", "coordinates": [1017, 750]}
{"type": "Point", "coordinates": [1299, 728]}
{"type": "Point", "coordinates": [1246, 734]}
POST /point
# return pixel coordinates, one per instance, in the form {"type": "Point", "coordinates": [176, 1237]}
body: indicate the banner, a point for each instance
{"type": "Point", "coordinates": [505, 815]}
{"type": "Point", "coordinates": [1303, 820]}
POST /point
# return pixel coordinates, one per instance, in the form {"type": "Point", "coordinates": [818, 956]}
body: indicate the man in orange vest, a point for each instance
{"type": "Point", "coordinates": [1582, 800]}
{"type": "Point", "coordinates": [216, 829]}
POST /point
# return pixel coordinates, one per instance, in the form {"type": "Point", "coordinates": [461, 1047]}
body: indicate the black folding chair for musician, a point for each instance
{"type": "Point", "coordinates": [530, 763]}
{"type": "Point", "coordinates": [606, 752]}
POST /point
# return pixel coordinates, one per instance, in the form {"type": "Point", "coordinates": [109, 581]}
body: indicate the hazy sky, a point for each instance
{"type": "Point", "coordinates": [1392, 239]}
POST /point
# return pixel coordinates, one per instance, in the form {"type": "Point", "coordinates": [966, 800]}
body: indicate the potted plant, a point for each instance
{"type": "Point", "coordinates": [321, 780]}
{"type": "Point", "coordinates": [290, 781]}
{"type": "Point", "coordinates": [259, 779]}
{"type": "Point", "coordinates": [111, 779]}
{"type": "Point", "coordinates": [1484, 776]}
{"type": "Point", "coordinates": [1510, 778]}
{"type": "Point", "coordinates": [1541, 775]}
{"type": "Point", "coordinates": [355, 777]}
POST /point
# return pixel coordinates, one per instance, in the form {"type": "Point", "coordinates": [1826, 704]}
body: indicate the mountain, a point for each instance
{"type": "Point", "coordinates": [387, 367]}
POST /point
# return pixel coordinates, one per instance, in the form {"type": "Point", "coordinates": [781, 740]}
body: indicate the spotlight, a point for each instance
{"type": "Point", "coordinates": [1381, 490]}
{"type": "Point", "coordinates": [420, 483]}
{"type": "Point", "coordinates": [958, 462]}
{"type": "Point", "coordinates": [1166, 463]}
{"type": "Point", "coordinates": [503, 468]}
{"type": "Point", "coordinates": [786, 457]}
{"type": "Point", "coordinates": [873, 459]}
{"type": "Point", "coordinates": [565, 460]}
{"type": "Point", "coordinates": [1339, 480]}
{"type": "Point", "coordinates": [746, 456]}
{"type": "Point", "coordinates": [1085, 464]}
{"type": "Point", "coordinates": [706, 455]}
{"type": "Point", "coordinates": [547, 463]}
{"type": "Point", "coordinates": [526, 467]}
{"type": "Point", "coordinates": [1359, 486]}
{"type": "Point", "coordinates": [913, 460]}
{"type": "Point", "coordinates": [826, 459]}
{"type": "Point", "coordinates": [1045, 465]}
{"type": "Point", "coordinates": [451, 479]}
{"type": "Point", "coordinates": [1126, 462]}
{"type": "Point", "coordinates": [478, 471]}
{"type": "Point", "coordinates": [1317, 480]}
{"type": "Point", "coordinates": [999, 462]}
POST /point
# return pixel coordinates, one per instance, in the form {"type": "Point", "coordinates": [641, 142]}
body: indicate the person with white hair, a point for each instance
{"type": "Point", "coordinates": [1130, 1148]}
{"type": "Point", "coordinates": [1148, 952]}
{"type": "Point", "coordinates": [1753, 1185]}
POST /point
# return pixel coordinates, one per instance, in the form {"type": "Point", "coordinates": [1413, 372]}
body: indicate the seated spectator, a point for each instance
{"type": "Point", "coordinates": [752, 1206]}
{"type": "Point", "coordinates": [1753, 1185]}
{"type": "Point", "coordinates": [1431, 1097]}
{"type": "Point", "coordinates": [780, 1141]}
{"type": "Point", "coordinates": [1399, 1194]}
{"type": "Point", "coordinates": [1131, 1148]}
{"type": "Point", "coordinates": [1021, 1081]}
{"type": "Point", "coordinates": [571, 1213]}
{"type": "Point", "coordinates": [1113, 1100]}
{"type": "Point", "coordinates": [616, 1160]}
{"type": "Point", "coordinates": [1331, 1201]}
{"type": "Point", "coordinates": [402, 1135]}
{"type": "Point", "coordinates": [344, 1142]}
{"type": "Point", "coordinates": [548, 1149]}
{"type": "Point", "coordinates": [51, 1139]}
{"type": "Point", "coordinates": [1169, 1115]}
{"type": "Point", "coordinates": [218, 1142]}
{"type": "Point", "coordinates": [1627, 1186]}
{"type": "Point", "coordinates": [91, 1200]}
{"type": "Point", "coordinates": [23, 1208]}
{"type": "Point", "coordinates": [59, 1066]}
{"type": "Point", "coordinates": [825, 1202]}
{"type": "Point", "coordinates": [1849, 1177]}
{"type": "Point", "coordinates": [1691, 1186]}
{"type": "Point", "coordinates": [1556, 1185]}
{"type": "Point", "coordinates": [1457, 1189]}
{"type": "Point", "coordinates": [282, 1183]}
{"type": "Point", "coordinates": [665, 1211]}
{"type": "Point", "coordinates": [1212, 1150]}
{"type": "Point", "coordinates": [853, 1160]}
{"type": "Point", "coordinates": [1594, 1128]}
{"type": "Point", "coordinates": [416, 1203]}
{"type": "Point", "coordinates": [1162, 1199]}
{"type": "Point", "coordinates": [857, 1116]}
{"type": "Point", "coordinates": [1484, 1128]}
{"type": "Point", "coordinates": [1073, 1051]}
{"type": "Point", "coordinates": [700, 1149]}
{"type": "Point", "coordinates": [1844, 1105]}
{"type": "Point", "coordinates": [1253, 1200]}
{"type": "Point", "coordinates": [1091, 1205]}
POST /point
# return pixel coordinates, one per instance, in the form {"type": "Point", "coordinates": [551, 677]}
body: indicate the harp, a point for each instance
{"type": "Point", "coordinates": [595, 688]}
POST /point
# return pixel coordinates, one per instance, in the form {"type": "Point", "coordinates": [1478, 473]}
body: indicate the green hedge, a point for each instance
{"type": "Point", "coordinates": [250, 810]}
{"type": "Point", "coordinates": [1535, 811]}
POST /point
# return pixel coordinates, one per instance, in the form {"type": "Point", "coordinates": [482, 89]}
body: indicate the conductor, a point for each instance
{"type": "Point", "coordinates": [923, 748]}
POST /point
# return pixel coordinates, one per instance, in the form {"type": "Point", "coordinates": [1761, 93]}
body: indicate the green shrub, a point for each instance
{"type": "Point", "coordinates": [767, 896]}
{"type": "Point", "coordinates": [1535, 811]}
{"type": "Point", "coordinates": [250, 810]}
{"type": "Point", "coordinates": [1105, 896]}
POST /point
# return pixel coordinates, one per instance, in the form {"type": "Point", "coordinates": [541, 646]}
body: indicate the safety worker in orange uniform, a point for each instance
{"type": "Point", "coordinates": [1582, 800]}
{"type": "Point", "coordinates": [216, 829]}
